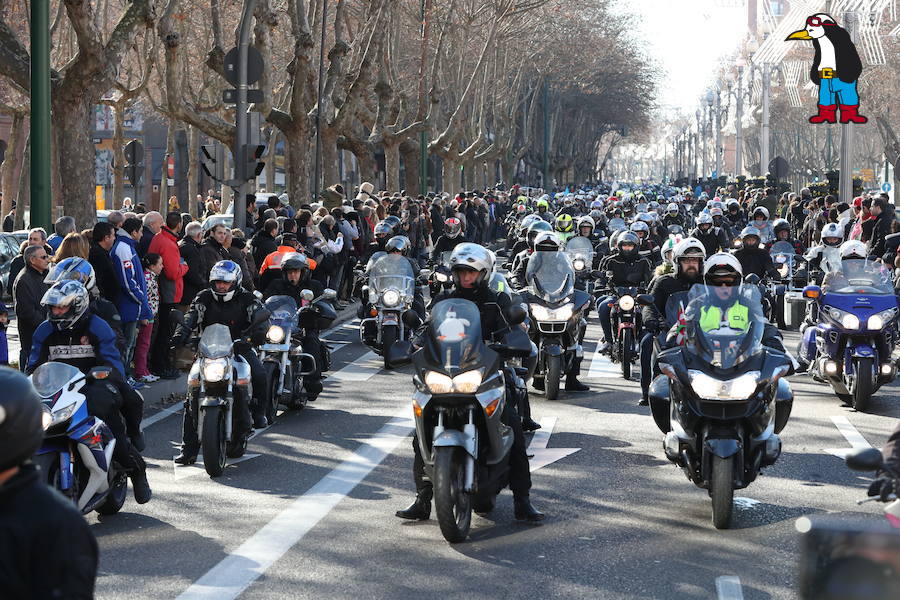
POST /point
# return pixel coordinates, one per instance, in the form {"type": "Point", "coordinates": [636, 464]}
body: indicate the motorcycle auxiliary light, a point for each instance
{"type": "Point", "coordinates": [214, 369]}
{"type": "Point", "coordinates": [542, 313]}
{"type": "Point", "coordinates": [710, 388]}
{"type": "Point", "coordinates": [391, 298]}
{"type": "Point", "coordinates": [275, 334]}
{"type": "Point", "coordinates": [464, 383]}
{"type": "Point", "coordinates": [442, 277]}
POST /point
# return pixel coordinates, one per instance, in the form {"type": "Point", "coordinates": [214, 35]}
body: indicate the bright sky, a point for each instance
{"type": "Point", "coordinates": [688, 38]}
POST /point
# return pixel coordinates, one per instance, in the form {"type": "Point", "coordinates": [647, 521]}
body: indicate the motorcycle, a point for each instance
{"type": "Point", "coordinates": [850, 347]}
{"type": "Point", "coordinates": [76, 457]}
{"type": "Point", "coordinates": [786, 293]}
{"type": "Point", "coordinates": [439, 277]}
{"type": "Point", "coordinates": [581, 252]}
{"type": "Point", "coordinates": [719, 388]}
{"type": "Point", "coordinates": [458, 404]}
{"type": "Point", "coordinates": [390, 294]}
{"type": "Point", "coordinates": [282, 355]}
{"type": "Point", "coordinates": [556, 309]}
{"type": "Point", "coordinates": [871, 459]}
{"type": "Point", "coordinates": [626, 328]}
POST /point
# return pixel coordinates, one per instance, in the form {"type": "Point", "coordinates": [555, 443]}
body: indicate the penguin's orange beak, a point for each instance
{"type": "Point", "coordinates": [799, 35]}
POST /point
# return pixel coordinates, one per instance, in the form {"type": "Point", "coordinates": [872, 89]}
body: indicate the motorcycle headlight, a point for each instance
{"type": "Point", "coordinates": [626, 302]}
{"type": "Point", "coordinates": [878, 321]}
{"type": "Point", "coordinates": [710, 388]}
{"type": "Point", "coordinates": [442, 277]}
{"type": "Point", "coordinates": [275, 334]}
{"type": "Point", "coordinates": [849, 321]}
{"type": "Point", "coordinates": [578, 264]}
{"type": "Point", "coordinates": [464, 383]}
{"type": "Point", "coordinates": [214, 369]}
{"type": "Point", "coordinates": [438, 383]}
{"type": "Point", "coordinates": [54, 417]}
{"type": "Point", "coordinates": [46, 418]}
{"type": "Point", "coordinates": [391, 298]}
{"type": "Point", "coordinates": [542, 313]}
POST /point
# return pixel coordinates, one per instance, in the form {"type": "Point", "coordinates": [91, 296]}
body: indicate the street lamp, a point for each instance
{"type": "Point", "coordinates": [765, 70]}
{"type": "Point", "coordinates": [738, 119]}
{"type": "Point", "coordinates": [714, 101]}
{"type": "Point", "coordinates": [702, 130]}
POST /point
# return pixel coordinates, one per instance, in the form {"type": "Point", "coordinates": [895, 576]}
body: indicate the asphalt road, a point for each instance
{"type": "Point", "coordinates": [310, 513]}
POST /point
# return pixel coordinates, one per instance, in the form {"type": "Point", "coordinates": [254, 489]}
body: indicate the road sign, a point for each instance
{"type": "Point", "coordinates": [254, 66]}
{"type": "Point", "coordinates": [715, 174]}
{"type": "Point", "coordinates": [134, 152]}
{"type": "Point", "coordinates": [253, 96]}
{"type": "Point", "coordinates": [170, 167]}
{"type": "Point", "coordinates": [779, 167]}
{"type": "Point", "coordinates": [885, 187]}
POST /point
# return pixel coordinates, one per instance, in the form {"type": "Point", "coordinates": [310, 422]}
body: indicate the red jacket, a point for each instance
{"type": "Point", "coordinates": [165, 243]}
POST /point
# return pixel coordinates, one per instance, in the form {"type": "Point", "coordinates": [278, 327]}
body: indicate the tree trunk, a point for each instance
{"type": "Point", "coordinates": [8, 170]}
{"type": "Point", "coordinates": [24, 193]}
{"type": "Point", "coordinates": [296, 168]}
{"type": "Point", "coordinates": [368, 168]}
{"type": "Point", "coordinates": [118, 156]}
{"type": "Point", "coordinates": [270, 161]}
{"type": "Point", "coordinates": [72, 121]}
{"type": "Point", "coordinates": [164, 189]}
{"type": "Point", "coordinates": [194, 188]}
{"type": "Point", "coordinates": [330, 174]}
{"type": "Point", "coordinates": [451, 176]}
{"type": "Point", "coordinates": [410, 152]}
{"type": "Point", "coordinates": [391, 165]}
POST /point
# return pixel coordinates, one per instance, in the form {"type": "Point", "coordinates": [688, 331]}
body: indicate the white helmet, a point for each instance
{"type": "Point", "coordinates": [546, 240]}
{"type": "Point", "coordinates": [832, 230]}
{"type": "Point", "coordinates": [472, 257]}
{"type": "Point", "coordinates": [854, 249]}
{"type": "Point", "coordinates": [672, 208]}
{"type": "Point", "coordinates": [723, 264]}
{"type": "Point", "coordinates": [763, 210]}
{"type": "Point", "coordinates": [586, 221]}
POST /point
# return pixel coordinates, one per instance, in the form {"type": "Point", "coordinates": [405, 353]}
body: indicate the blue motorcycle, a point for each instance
{"type": "Point", "coordinates": [850, 347]}
{"type": "Point", "coordinates": [76, 457]}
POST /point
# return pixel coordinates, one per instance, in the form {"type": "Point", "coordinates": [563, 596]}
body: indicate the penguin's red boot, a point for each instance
{"type": "Point", "coordinates": [827, 114]}
{"type": "Point", "coordinates": [849, 114]}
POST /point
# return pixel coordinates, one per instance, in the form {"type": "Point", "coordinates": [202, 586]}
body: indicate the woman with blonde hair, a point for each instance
{"type": "Point", "coordinates": [74, 244]}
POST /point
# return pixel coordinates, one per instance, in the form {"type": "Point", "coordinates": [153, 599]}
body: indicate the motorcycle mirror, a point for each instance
{"type": "Point", "coordinates": [177, 316]}
{"type": "Point", "coordinates": [307, 295]}
{"type": "Point", "coordinates": [644, 299]}
{"type": "Point", "coordinates": [258, 294]}
{"type": "Point", "coordinates": [516, 314]}
{"type": "Point", "coordinates": [399, 353]}
{"type": "Point", "coordinates": [329, 294]}
{"type": "Point", "coordinates": [812, 292]}
{"type": "Point", "coordinates": [261, 317]}
{"type": "Point", "coordinates": [752, 279]}
{"type": "Point", "coordinates": [866, 459]}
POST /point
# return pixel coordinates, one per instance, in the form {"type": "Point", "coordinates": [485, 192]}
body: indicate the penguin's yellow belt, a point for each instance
{"type": "Point", "coordinates": [827, 74]}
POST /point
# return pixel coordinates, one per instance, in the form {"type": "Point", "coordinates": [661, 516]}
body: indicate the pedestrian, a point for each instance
{"type": "Point", "coordinates": [36, 237]}
{"type": "Point", "coordinates": [131, 301]}
{"type": "Point", "coordinates": [235, 249]}
{"type": "Point", "coordinates": [264, 242]}
{"type": "Point", "coordinates": [198, 269]}
{"type": "Point", "coordinates": [74, 244]}
{"type": "Point", "coordinates": [213, 250]}
{"type": "Point", "coordinates": [116, 218]}
{"type": "Point", "coordinates": [173, 204]}
{"type": "Point", "coordinates": [332, 264]}
{"type": "Point", "coordinates": [4, 343]}
{"type": "Point", "coordinates": [171, 288]}
{"type": "Point", "coordinates": [47, 549]}
{"type": "Point", "coordinates": [152, 265]}
{"type": "Point", "coordinates": [9, 221]}
{"type": "Point", "coordinates": [102, 239]}
{"type": "Point", "coordinates": [153, 222]}
{"type": "Point", "coordinates": [63, 227]}
{"type": "Point", "coordinates": [28, 289]}
{"type": "Point", "coordinates": [127, 205]}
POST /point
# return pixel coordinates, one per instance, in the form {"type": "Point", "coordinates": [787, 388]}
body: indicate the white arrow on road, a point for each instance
{"type": "Point", "coordinates": [857, 441]}
{"type": "Point", "coordinates": [542, 455]}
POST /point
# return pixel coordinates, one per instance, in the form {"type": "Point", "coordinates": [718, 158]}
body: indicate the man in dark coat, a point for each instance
{"type": "Point", "coordinates": [264, 242]}
{"type": "Point", "coordinates": [191, 252]}
{"type": "Point", "coordinates": [103, 237]}
{"type": "Point", "coordinates": [153, 222]}
{"type": "Point", "coordinates": [28, 290]}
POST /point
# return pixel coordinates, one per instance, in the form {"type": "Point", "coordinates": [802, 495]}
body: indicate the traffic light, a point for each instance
{"type": "Point", "coordinates": [252, 165]}
{"type": "Point", "coordinates": [134, 162]}
{"type": "Point", "coordinates": [212, 161]}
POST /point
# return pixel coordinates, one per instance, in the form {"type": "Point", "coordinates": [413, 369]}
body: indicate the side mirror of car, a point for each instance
{"type": "Point", "coordinates": [400, 353]}
{"type": "Point", "coordinates": [644, 299]}
{"type": "Point", "coordinates": [867, 459]}
{"type": "Point", "coordinates": [307, 295]}
{"type": "Point", "coordinates": [812, 292]}
{"type": "Point", "coordinates": [517, 313]}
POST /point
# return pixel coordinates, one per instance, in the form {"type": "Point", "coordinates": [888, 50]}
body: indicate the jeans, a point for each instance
{"type": "Point", "coordinates": [603, 311]}
{"type": "Point", "coordinates": [834, 91]}
{"type": "Point", "coordinates": [121, 410]}
{"type": "Point", "coordinates": [648, 354]}
{"type": "Point", "coordinates": [130, 333]}
{"type": "Point", "coordinates": [160, 359]}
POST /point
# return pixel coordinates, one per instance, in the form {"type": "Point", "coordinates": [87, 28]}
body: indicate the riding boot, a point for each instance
{"type": "Point", "coordinates": [190, 446]}
{"type": "Point", "coordinates": [524, 510]}
{"type": "Point", "coordinates": [138, 474]}
{"type": "Point", "coordinates": [572, 383]}
{"type": "Point", "coordinates": [420, 509]}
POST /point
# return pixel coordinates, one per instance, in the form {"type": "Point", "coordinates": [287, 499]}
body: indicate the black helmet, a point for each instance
{"type": "Point", "coordinates": [628, 237]}
{"type": "Point", "coordinates": [534, 229]}
{"type": "Point", "coordinates": [780, 225]}
{"type": "Point", "coordinates": [294, 261]}
{"type": "Point", "coordinates": [398, 243]}
{"type": "Point", "coordinates": [21, 428]}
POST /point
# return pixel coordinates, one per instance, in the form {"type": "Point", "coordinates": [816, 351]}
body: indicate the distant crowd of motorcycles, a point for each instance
{"type": "Point", "coordinates": [692, 292]}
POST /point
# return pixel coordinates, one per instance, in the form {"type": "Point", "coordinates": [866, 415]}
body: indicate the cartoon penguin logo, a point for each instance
{"type": "Point", "coordinates": [452, 328]}
{"type": "Point", "coordinates": [835, 69]}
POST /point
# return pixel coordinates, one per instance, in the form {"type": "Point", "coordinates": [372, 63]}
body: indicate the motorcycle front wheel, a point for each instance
{"type": "Point", "coordinates": [274, 394]}
{"type": "Point", "coordinates": [451, 502]}
{"type": "Point", "coordinates": [213, 441]}
{"type": "Point", "coordinates": [721, 490]}
{"type": "Point", "coordinates": [627, 351]}
{"type": "Point", "coordinates": [554, 374]}
{"type": "Point", "coordinates": [863, 384]}
{"type": "Point", "coordinates": [115, 497]}
{"type": "Point", "coordinates": [389, 335]}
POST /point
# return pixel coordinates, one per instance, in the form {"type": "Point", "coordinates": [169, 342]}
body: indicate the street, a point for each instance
{"type": "Point", "coordinates": [309, 511]}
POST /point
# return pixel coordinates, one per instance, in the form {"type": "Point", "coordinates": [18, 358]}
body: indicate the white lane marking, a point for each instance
{"type": "Point", "coordinates": [602, 367]}
{"type": "Point", "coordinates": [728, 587]}
{"type": "Point", "coordinates": [854, 437]}
{"type": "Point", "coordinates": [161, 415]}
{"type": "Point", "coordinates": [235, 573]}
{"type": "Point", "coordinates": [362, 369]}
{"type": "Point", "coordinates": [542, 455]}
{"type": "Point", "coordinates": [746, 503]}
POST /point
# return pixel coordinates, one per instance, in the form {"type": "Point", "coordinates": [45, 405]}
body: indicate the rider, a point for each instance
{"type": "Point", "coordinates": [688, 257]}
{"type": "Point", "coordinates": [226, 302]}
{"type": "Point", "coordinates": [782, 231]}
{"type": "Point", "coordinates": [400, 244]}
{"type": "Point", "coordinates": [449, 239]}
{"type": "Point", "coordinates": [734, 216]}
{"type": "Point", "coordinates": [754, 259]}
{"type": "Point", "coordinates": [760, 220]}
{"type": "Point", "coordinates": [74, 335]}
{"type": "Point", "coordinates": [543, 210]}
{"type": "Point", "coordinates": [471, 266]}
{"type": "Point", "coordinates": [520, 260]}
{"type": "Point", "coordinates": [673, 216]}
{"type": "Point", "coordinates": [626, 268]}
{"type": "Point", "coordinates": [295, 277]}
{"type": "Point", "coordinates": [713, 238]}
{"type": "Point", "coordinates": [832, 236]}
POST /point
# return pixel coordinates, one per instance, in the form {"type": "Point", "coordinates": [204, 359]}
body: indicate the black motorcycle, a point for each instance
{"type": "Point", "coordinates": [725, 394]}
{"type": "Point", "coordinates": [626, 327]}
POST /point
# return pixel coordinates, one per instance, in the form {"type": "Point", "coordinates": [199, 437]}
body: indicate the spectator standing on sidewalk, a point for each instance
{"type": "Point", "coordinates": [63, 227]}
{"type": "Point", "coordinates": [132, 294]}
{"type": "Point", "coordinates": [152, 265]}
{"type": "Point", "coordinates": [28, 290]}
{"type": "Point", "coordinates": [171, 287]}
{"type": "Point", "coordinates": [153, 222]}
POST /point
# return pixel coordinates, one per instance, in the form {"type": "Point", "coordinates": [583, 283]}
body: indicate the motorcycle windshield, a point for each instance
{"type": "Point", "coordinates": [859, 276]}
{"type": "Point", "coordinates": [499, 284]}
{"type": "Point", "coordinates": [283, 309]}
{"type": "Point", "coordinates": [215, 341]}
{"type": "Point", "coordinates": [782, 248]}
{"type": "Point", "coordinates": [445, 258]}
{"type": "Point", "coordinates": [579, 248]}
{"type": "Point", "coordinates": [454, 335]}
{"type": "Point", "coordinates": [724, 325]}
{"type": "Point", "coordinates": [617, 223]}
{"type": "Point", "coordinates": [392, 271]}
{"type": "Point", "coordinates": [550, 276]}
{"type": "Point", "coordinates": [831, 259]}
{"type": "Point", "coordinates": [675, 230]}
{"type": "Point", "coordinates": [373, 259]}
{"type": "Point", "coordinates": [675, 307]}
{"type": "Point", "coordinates": [51, 377]}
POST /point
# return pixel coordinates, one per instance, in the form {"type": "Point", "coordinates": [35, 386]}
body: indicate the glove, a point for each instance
{"type": "Point", "coordinates": [653, 326]}
{"type": "Point", "coordinates": [138, 441]}
{"type": "Point", "coordinates": [882, 487]}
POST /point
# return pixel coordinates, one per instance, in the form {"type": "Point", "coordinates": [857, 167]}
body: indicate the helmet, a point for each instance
{"type": "Point", "coordinates": [564, 223]}
{"type": "Point", "coordinates": [761, 210]}
{"type": "Point", "coordinates": [716, 211]}
{"type": "Point", "coordinates": [733, 204]}
{"type": "Point", "coordinates": [542, 204]}
{"type": "Point", "coordinates": [453, 226]}
{"type": "Point", "coordinates": [723, 268]}
{"type": "Point", "coordinates": [750, 231]}
{"type": "Point", "coordinates": [398, 243]}
{"type": "Point", "coordinates": [667, 247]}
{"type": "Point", "coordinates": [688, 248]}
{"type": "Point", "coordinates": [71, 294]}
{"type": "Point", "coordinates": [653, 205]}
{"type": "Point", "coordinates": [647, 218]}
{"type": "Point", "coordinates": [586, 222]}
{"type": "Point", "coordinates": [534, 229]}
{"type": "Point", "coordinates": [640, 226]}
{"type": "Point", "coordinates": [853, 249]}
{"type": "Point", "coordinates": [383, 230]}
{"type": "Point", "coordinates": [21, 418]}
{"type": "Point", "coordinates": [596, 216]}
{"type": "Point", "coordinates": [73, 268]}
{"type": "Point", "coordinates": [832, 230]}
{"type": "Point", "coordinates": [546, 241]}
{"type": "Point", "coordinates": [394, 223]}
{"type": "Point", "coordinates": [294, 261]}
{"type": "Point", "coordinates": [525, 223]}
{"type": "Point", "coordinates": [472, 257]}
{"type": "Point", "coordinates": [229, 272]}
{"type": "Point", "coordinates": [627, 237]}
{"type": "Point", "coordinates": [780, 225]}
{"type": "Point", "coordinates": [520, 208]}
{"type": "Point", "coordinates": [597, 205]}
{"type": "Point", "coordinates": [704, 219]}
{"type": "Point", "coordinates": [672, 209]}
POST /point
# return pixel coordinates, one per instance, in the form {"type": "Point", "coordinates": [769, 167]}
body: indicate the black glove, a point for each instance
{"type": "Point", "coordinates": [882, 487]}
{"type": "Point", "coordinates": [653, 326]}
{"type": "Point", "coordinates": [138, 441]}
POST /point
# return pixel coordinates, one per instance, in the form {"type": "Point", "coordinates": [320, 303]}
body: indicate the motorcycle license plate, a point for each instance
{"type": "Point", "coordinates": [390, 319]}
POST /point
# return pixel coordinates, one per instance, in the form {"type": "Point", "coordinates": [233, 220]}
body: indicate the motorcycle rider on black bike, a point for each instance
{"type": "Point", "coordinates": [688, 258]}
{"type": "Point", "coordinates": [754, 259]}
{"type": "Point", "coordinates": [295, 277]}
{"type": "Point", "coordinates": [673, 216]}
{"type": "Point", "coordinates": [226, 302]}
{"type": "Point", "coordinates": [626, 268]}
{"type": "Point", "coordinates": [449, 239]}
{"type": "Point", "coordinates": [400, 244]}
{"type": "Point", "coordinates": [74, 335]}
{"type": "Point", "coordinates": [782, 231]}
{"type": "Point", "coordinates": [520, 260]}
{"type": "Point", "coordinates": [471, 266]}
{"type": "Point", "coordinates": [713, 238]}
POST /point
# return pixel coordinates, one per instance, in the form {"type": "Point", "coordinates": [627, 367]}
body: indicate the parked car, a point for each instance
{"type": "Point", "coordinates": [213, 220]}
{"type": "Point", "coordinates": [9, 249]}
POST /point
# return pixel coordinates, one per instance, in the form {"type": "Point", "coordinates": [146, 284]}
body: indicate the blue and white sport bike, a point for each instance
{"type": "Point", "coordinates": [850, 347]}
{"type": "Point", "coordinates": [76, 457]}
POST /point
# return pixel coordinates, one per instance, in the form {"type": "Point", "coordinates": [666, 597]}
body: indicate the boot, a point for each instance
{"type": "Point", "coordinates": [645, 401]}
{"type": "Point", "coordinates": [141, 487]}
{"type": "Point", "coordinates": [188, 456]}
{"type": "Point", "coordinates": [538, 383]}
{"type": "Point", "coordinates": [603, 348]}
{"type": "Point", "coordinates": [524, 511]}
{"type": "Point", "coordinates": [849, 114]}
{"type": "Point", "coordinates": [420, 509]}
{"type": "Point", "coordinates": [827, 114]}
{"type": "Point", "coordinates": [529, 424]}
{"type": "Point", "coordinates": [572, 383]}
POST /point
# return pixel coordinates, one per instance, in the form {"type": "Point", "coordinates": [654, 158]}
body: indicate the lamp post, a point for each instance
{"type": "Point", "coordinates": [702, 130]}
{"type": "Point", "coordinates": [738, 119]}
{"type": "Point", "coordinates": [40, 116]}
{"type": "Point", "coordinates": [714, 101]}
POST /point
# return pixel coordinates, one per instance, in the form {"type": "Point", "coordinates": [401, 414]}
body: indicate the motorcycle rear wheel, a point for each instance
{"type": "Point", "coordinates": [627, 351]}
{"type": "Point", "coordinates": [115, 498]}
{"type": "Point", "coordinates": [452, 504]}
{"type": "Point", "coordinates": [721, 490]}
{"type": "Point", "coordinates": [554, 374]}
{"type": "Point", "coordinates": [213, 441]}
{"type": "Point", "coordinates": [863, 384]}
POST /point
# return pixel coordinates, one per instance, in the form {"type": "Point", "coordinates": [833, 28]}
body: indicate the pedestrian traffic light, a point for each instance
{"type": "Point", "coordinates": [252, 165]}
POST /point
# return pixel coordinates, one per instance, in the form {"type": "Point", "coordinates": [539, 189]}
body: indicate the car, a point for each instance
{"type": "Point", "coordinates": [262, 199]}
{"type": "Point", "coordinates": [9, 249]}
{"type": "Point", "coordinates": [21, 235]}
{"type": "Point", "coordinates": [213, 220]}
{"type": "Point", "coordinates": [102, 215]}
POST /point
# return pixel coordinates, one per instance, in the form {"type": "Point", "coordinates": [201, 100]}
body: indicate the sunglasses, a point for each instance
{"type": "Point", "coordinates": [817, 22]}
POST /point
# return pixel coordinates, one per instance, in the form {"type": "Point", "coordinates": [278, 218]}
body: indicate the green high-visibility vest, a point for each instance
{"type": "Point", "coordinates": [737, 317]}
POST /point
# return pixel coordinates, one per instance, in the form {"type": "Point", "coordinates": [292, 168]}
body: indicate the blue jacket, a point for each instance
{"type": "Point", "coordinates": [90, 343]}
{"type": "Point", "coordinates": [132, 297]}
{"type": "Point", "coordinates": [54, 241]}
